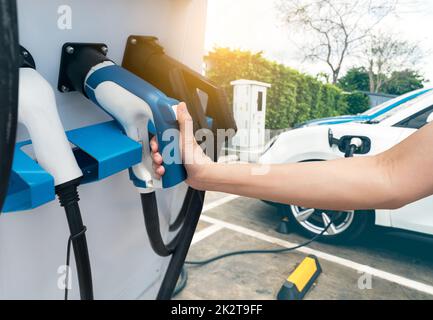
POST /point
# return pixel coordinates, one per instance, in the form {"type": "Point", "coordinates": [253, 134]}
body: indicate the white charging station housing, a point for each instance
{"type": "Point", "coordinates": [33, 244]}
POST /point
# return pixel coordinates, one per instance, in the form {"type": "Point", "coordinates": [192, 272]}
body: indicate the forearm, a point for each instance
{"type": "Point", "coordinates": [347, 184]}
{"type": "Point", "coordinates": [389, 180]}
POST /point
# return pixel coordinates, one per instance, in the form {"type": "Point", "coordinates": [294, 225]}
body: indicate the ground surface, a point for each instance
{"type": "Point", "coordinates": [400, 267]}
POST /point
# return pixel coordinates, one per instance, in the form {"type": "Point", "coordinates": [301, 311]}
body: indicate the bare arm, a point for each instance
{"type": "Point", "coordinates": [390, 180]}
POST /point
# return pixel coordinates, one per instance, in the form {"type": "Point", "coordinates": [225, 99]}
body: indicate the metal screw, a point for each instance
{"type": "Point", "coordinates": [64, 89]}
{"type": "Point", "coordinates": [25, 54]}
{"type": "Point", "coordinates": [104, 50]}
{"type": "Point", "coordinates": [133, 41]}
{"type": "Point", "coordinates": [70, 50]}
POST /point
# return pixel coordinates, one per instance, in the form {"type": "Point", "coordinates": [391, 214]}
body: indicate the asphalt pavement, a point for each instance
{"type": "Point", "coordinates": [383, 266]}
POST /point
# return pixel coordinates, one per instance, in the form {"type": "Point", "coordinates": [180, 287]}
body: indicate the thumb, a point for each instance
{"type": "Point", "coordinates": [183, 114]}
{"type": "Point", "coordinates": [185, 122]}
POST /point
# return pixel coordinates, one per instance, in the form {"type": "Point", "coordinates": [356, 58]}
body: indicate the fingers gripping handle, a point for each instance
{"type": "Point", "coordinates": [167, 134]}
{"type": "Point", "coordinates": [133, 102]}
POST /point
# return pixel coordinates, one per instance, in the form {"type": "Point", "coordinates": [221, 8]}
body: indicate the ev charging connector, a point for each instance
{"type": "Point", "coordinates": [206, 101]}
{"type": "Point", "coordinates": [209, 108]}
{"type": "Point", "coordinates": [350, 145]}
{"type": "Point", "coordinates": [143, 112]}
{"type": "Point", "coordinates": [37, 111]}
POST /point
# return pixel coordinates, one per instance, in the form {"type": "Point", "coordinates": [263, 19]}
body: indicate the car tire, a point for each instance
{"type": "Point", "coordinates": [359, 223]}
{"type": "Point", "coordinates": [362, 222]}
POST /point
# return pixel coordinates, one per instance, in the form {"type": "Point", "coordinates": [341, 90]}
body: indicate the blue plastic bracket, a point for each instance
{"type": "Point", "coordinates": [30, 186]}
{"type": "Point", "coordinates": [104, 150]}
{"type": "Point", "coordinates": [101, 151]}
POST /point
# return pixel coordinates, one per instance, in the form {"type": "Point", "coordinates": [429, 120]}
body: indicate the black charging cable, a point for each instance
{"type": "Point", "coordinates": [249, 252]}
{"type": "Point", "coordinates": [68, 257]}
{"type": "Point", "coordinates": [153, 228]}
{"type": "Point", "coordinates": [9, 74]}
{"type": "Point", "coordinates": [68, 197]}
{"type": "Point", "coordinates": [183, 279]}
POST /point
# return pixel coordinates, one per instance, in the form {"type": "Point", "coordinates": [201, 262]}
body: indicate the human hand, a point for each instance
{"type": "Point", "coordinates": [193, 157]}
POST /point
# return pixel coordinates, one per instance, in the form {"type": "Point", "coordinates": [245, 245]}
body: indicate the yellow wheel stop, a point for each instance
{"type": "Point", "coordinates": [301, 280]}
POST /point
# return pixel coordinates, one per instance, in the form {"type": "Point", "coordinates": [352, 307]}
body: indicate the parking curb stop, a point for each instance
{"type": "Point", "coordinates": [299, 283]}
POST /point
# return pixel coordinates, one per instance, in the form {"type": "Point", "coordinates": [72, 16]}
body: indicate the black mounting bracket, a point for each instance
{"type": "Point", "coordinates": [332, 141]}
{"type": "Point", "coordinates": [71, 64]}
{"type": "Point", "coordinates": [27, 60]}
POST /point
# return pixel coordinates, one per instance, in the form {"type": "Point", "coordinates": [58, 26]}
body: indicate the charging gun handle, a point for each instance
{"type": "Point", "coordinates": [113, 87]}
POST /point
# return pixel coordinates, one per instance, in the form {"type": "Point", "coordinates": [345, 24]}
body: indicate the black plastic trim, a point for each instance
{"type": "Point", "coordinates": [27, 60]}
{"type": "Point", "coordinates": [76, 61]}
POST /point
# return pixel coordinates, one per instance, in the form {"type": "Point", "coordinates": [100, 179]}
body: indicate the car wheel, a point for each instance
{"type": "Point", "coordinates": [346, 225]}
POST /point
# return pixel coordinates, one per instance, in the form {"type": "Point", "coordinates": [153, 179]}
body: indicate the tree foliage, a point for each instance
{"type": "Point", "coordinates": [357, 102]}
{"type": "Point", "coordinates": [386, 54]}
{"type": "Point", "coordinates": [356, 79]}
{"type": "Point", "coordinates": [293, 98]}
{"type": "Point", "coordinates": [401, 82]}
{"type": "Point", "coordinates": [398, 83]}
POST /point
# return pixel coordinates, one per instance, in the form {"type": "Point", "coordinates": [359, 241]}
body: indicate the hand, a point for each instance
{"type": "Point", "coordinates": [193, 157]}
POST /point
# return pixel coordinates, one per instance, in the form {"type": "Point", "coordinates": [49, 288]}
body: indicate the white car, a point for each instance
{"type": "Point", "coordinates": [314, 143]}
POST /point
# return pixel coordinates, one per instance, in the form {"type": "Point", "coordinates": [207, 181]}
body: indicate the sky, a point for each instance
{"type": "Point", "coordinates": [256, 25]}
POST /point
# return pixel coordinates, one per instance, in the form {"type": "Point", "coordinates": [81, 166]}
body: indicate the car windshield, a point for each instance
{"type": "Point", "coordinates": [396, 110]}
{"type": "Point", "coordinates": [391, 105]}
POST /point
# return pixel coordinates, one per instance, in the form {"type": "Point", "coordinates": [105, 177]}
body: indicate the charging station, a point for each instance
{"type": "Point", "coordinates": [32, 232]}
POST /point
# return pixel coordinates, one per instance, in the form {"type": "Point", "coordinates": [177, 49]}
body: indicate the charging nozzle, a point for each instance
{"type": "Point", "coordinates": [206, 101]}
{"type": "Point", "coordinates": [350, 145]}
{"type": "Point", "coordinates": [355, 144]}
{"type": "Point", "coordinates": [38, 113]}
{"type": "Point", "coordinates": [209, 107]}
{"type": "Point", "coordinates": [142, 110]}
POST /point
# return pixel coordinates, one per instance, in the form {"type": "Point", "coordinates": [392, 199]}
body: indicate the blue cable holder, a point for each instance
{"type": "Point", "coordinates": [30, 186]}
{"type": "Point", "coordinates": [101, 151]}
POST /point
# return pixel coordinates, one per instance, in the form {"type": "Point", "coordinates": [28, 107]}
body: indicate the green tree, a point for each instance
{"type": "Point", "coordinates": [356, 79]}
{"type": "Point", "coordinates": [293, 98]}
{"type": "Point", "coordinates": [402, 82]}
{"type": "Point", "coordinates": [225, 65]}
{"type": "Point", "coordinates": [357, 102]}
{"type": "Point", "coordinates": [398, 83]}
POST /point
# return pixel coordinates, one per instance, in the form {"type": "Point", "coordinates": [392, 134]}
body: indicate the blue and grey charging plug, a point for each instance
{"type": "Point", "coordinates": [142, 111]}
